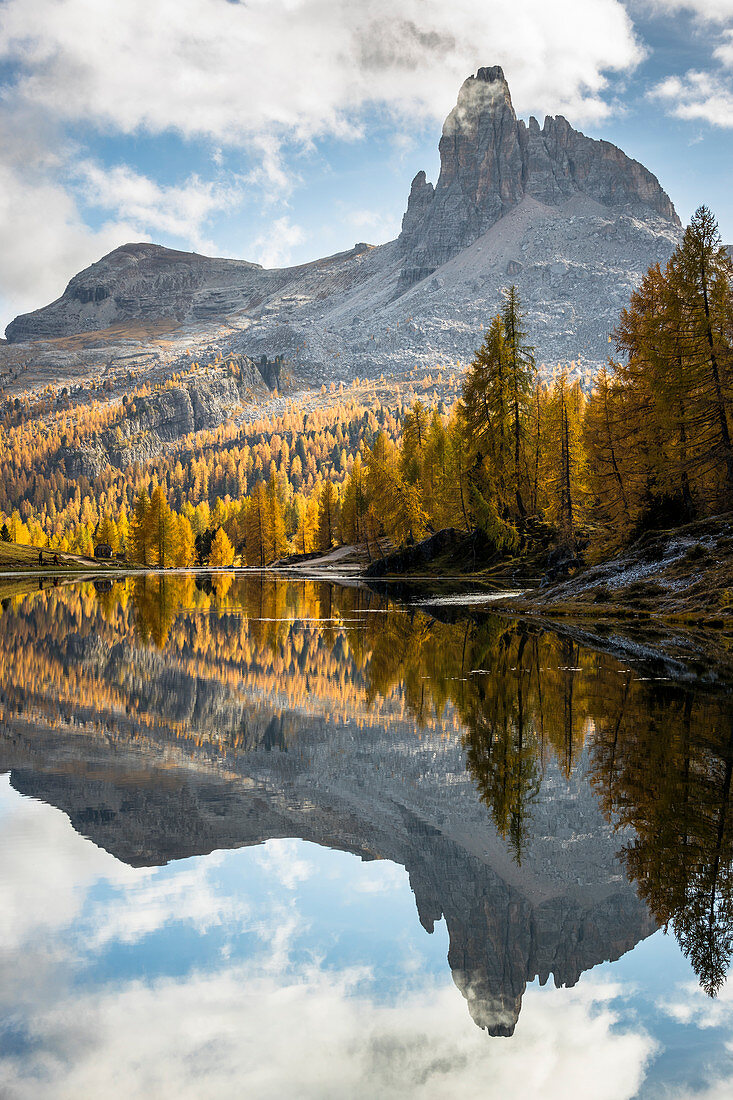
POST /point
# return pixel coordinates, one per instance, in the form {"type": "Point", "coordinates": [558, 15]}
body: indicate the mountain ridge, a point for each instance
{"type": "Point", "coordinates": [571, 220]}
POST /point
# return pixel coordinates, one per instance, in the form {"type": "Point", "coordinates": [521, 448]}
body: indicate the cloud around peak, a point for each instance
{"type": "Point", "coordinates": [230, 71]}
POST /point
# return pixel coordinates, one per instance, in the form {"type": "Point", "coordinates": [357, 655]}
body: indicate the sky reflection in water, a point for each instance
{"type": "Point", "coordinates": [288, 968]}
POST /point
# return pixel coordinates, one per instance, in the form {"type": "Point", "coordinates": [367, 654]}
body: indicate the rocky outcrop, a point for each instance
{"type": "Point", "coordinates": [146, 282]}
{"type": "Point", "coordinates": [142, 282]}
{"type": "Point", "coordinates": [489, 160]}
{"type": "Point", "coordinates": [150, 423]}
{"type": "Point", "coordinates": [419, 203]}
{"type": "Point", "coordinates": [506, 926]}
{"type": "Point", "coordinates": [500, 940]}
{"type": "Point", "coordinates": [411, 559]}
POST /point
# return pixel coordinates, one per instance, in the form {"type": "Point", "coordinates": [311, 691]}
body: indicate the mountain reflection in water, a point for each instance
{"type": "Point", "coordinates": [555, 805]}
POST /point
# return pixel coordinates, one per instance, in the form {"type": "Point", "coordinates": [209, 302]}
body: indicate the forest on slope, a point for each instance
{"type": "Point", "coordinates": [530, 461]}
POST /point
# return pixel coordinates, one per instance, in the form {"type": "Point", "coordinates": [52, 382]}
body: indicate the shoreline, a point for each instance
{"type": "Point", "coordinates": [665, 650]}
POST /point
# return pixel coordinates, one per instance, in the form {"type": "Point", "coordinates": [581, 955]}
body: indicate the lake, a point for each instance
{"type": "Point", "coordinates": [283, 838]}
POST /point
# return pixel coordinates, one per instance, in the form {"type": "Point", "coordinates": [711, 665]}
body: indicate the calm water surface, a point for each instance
{"type": "Point", "coordinates": [291, 840]}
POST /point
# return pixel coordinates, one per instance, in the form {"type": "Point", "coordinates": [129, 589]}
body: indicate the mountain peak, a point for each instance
{"type": "Point", "coordinates": [492, 74]}
{"type": "Point", "coordinates": [485, 93]}
{"type": "Point", "coordinates": [573, 221]}
{"type": "Point", "coordinates": [489, 161]}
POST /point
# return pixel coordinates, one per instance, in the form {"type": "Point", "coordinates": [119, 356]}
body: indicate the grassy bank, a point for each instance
{"type": "Point", "coordinates": [14, 558]}
{"type": "Point", "coordinates": [21, 572]}
{"type": "Point", "coordinates": [684, 575]}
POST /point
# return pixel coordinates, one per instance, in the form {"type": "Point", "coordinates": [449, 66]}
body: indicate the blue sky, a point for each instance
{"type": "Point", "coordinates": [281, 130]}
{"type": "Point", "coordinates": [287, 969]}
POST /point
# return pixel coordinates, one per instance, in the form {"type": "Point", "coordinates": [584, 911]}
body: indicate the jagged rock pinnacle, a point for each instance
{"type": "Point", "coordinates": [491, 74]}
{"type": "Point", "coordinates": [489, 160]}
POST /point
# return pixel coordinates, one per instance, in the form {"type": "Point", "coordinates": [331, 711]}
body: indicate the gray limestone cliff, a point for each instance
{"type": "Point", "coordinates": [142, 282]}
{"type": "Point", "coordinates": [563, 914]}
{"type": "Point", "coordinates": [148, 283]}
{"type": "Point", "coordinates": [150, 424]}
{"type": "Point", "coordinates": [489, 161]}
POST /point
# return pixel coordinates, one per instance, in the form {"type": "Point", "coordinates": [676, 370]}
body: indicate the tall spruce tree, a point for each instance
{"type": "Point", "coordinates": [222, 551]}
{"type": "Point", "coordinates": [495, 406]}
{"type": "Point", "coordinates": [700, 275]}
{"type": "Point", "coordinates": [566, 488]}
{"type": "Point", "coordinates": [327, 518]}
{"type": "Point", "coordinates": [520, 375]}
{"type": "Point", "coordinates": [277, 543]}
{"type": "Point", "coordinates": [257, 527]}
{"type": "Point", "coordinates": [677, 337]}
{"type": "Point", "coordinates": [603, 439]}
{"type": "Point", "coordinates": [140, 530]}
{"type": "Point", "coordinates": [162, 528]}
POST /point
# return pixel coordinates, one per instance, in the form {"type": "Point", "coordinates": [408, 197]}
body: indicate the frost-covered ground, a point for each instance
{"type": "Point", "coordinates": [668, 596]}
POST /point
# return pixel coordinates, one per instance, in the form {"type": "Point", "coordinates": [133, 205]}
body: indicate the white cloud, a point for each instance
{"type": "Point", "coordinates": [314, 1033]}
{"type": "Point", "coordinates": [44, 240]}
{"type": "Point", "coordinates": [178, 210]}
{"type": "Point", "coordinates": [701, 95]}
{"type": "Point", "coordinates": [724, 52]}
{"type": "Point", "coordinates": [375, 226]}
{"type": "Point", "coordinates": [268, 76]}
{"type": "Point", "coordinates": [719, 1089]}
{"type": "Point", "coordinates": [697, 96]}
{"type": "Point", "coordinates": [378, 878]}
{"type": "Point", "coordinates": [48, 870]}
{"type": "Point", "coordinates": [45, 868]}
{"type": "Point", "coordinates": [154, 900]}
{"type": "Point", "coordinates": [274, 248]}
{"type": "Point", "coordinates": [231, 71]}
{"type": "Point", "coordinates": [272, 1025]}
{"type": "Point", "coordinates": [710, 11]}
{"type": "Point", "coordinates": [275, 1024]}
{"type": "Point", "coordinates": [693, 1006]}
{"type": "Point", "coordinates": [280, 858]}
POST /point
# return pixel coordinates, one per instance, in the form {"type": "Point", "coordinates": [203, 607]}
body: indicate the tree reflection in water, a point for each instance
{"type": "Point", "coordinates": [662, 762]}
{"type": "Point", "coordinates": [660, 754]}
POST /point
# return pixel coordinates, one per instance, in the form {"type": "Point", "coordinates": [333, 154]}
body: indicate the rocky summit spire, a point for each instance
{"type": "Point", "coordinates": [489, 161]}
{"type": "Point", "coordinates": [480, 154]}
